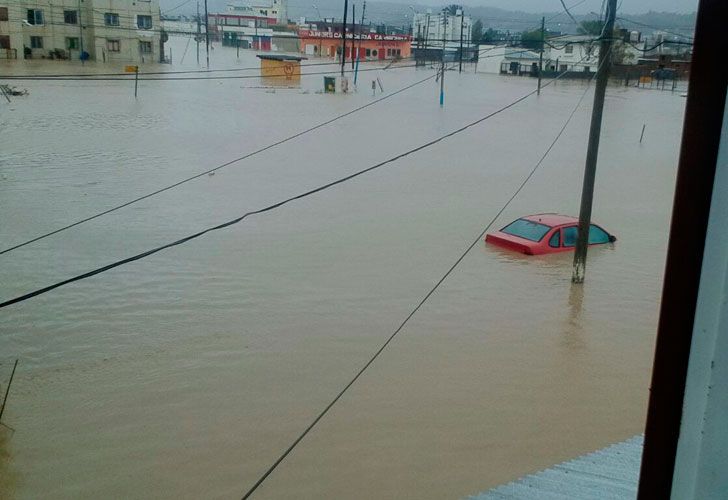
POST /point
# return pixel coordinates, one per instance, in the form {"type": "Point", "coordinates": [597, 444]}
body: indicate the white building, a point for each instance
{"type": "Point", "coordinates": [571, 53]}
{"type": "Point", "coordinates": [275, 9]}
{"type": "Point", "coordinates": [429, 29]}
{"type": "Point", "coordinates": [574, 53]}
{"type": "Point", "coordinates": [102, 30]}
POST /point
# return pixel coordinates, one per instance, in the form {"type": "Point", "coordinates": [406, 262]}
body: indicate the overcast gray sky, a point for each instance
{"type": "Point", "coordinates": [627, 6]}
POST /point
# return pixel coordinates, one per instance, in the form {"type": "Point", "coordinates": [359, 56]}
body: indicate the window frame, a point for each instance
{"type": "Point", "coordinates": [563, 235]}
{"type": "Point", "coordinates": [37, 13]}
{"type": "Point", "coordinates": [557, 234]}
{"type": "Point", "coordinates": [111, 43]}
{"type": "Point", "coordinates": [110, 17]}
{"type": "Point", "coordinates": [144, 26]}
{"type": "Point", "coordinates": [4, 14]}
{"type": "Point", "coordinates": [67, 14]}
{"type": "Point", "coordinates": [68, 43]}
{"type": "Point", "coordinates": [543, 235]}
{"type": "Point", "coordinates": [36, 42]}
{"type": "Point", "coordinates": [145, 43]}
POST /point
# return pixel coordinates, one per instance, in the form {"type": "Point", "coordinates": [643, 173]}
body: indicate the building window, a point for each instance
{"type": "Point", "coordinates": [3, 13]}
{"type": "Point", "coordinates": [72, 43]}
{"type": "Point", "coordinates": [70, 16]}
{"type": "Point", "coordinates": [374, 53]}
{"type": "Point", "coordinates": [111, 19]}
{"type": "Point", "coordinates": [35, 16]}
{"type": "Point", "coordinates": [145, 47]}
{"type": "Point", "coordinates": [113, 45]}
{"type": "Point", "coordinates": [144, 22]}
{"type": "Point", "coordinates": [569, 49]}
{"type": "Point", "coordinates": [368, 52]}
{"type": "Point", "coordinates": [36, 42]}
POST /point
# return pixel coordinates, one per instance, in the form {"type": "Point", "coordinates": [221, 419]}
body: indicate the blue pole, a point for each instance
{"type": "Point", "coordinates": [442, 97]}
{"type": "Point", "coordinates": [356, 68]}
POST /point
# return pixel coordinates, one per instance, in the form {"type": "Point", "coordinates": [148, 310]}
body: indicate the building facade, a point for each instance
{"type": "Point", "coordinates": [326, 41]}
{"type": "Point", "coordinates": [124, 31]}
{"type": "Point", "coordinates": [274, 10]}
{"type": "Point", "coordinates": [429, 29]}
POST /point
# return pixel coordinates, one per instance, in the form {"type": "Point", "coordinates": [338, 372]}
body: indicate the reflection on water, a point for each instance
{"type": "Point", "coordinates": [186, 374]}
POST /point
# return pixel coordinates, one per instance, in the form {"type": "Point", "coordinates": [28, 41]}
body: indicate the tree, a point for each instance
{"type": "Point", "coordinates": [477, 31]}
{"type": "Point", "coordinates": [590, 28]}
{"type": "Point", "coordinates": [531, 39]}
{"type": "Point", "coordinates": [490, 36]}
{"type": "Point", "coordinates": [453, 9]}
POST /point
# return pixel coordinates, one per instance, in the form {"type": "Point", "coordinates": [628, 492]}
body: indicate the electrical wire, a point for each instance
{"type": "Point", "coordinates": [656, 28]}
{"type": "Point", "coordinates": [226, 164]}
{"type": "Point", "coordinates": [192, 71]}
{"type": "Point", "coordinates": [131, 76]}
{"type": "Point", "coordinates": [305, 194]}
{"type": "Point", "coordinates": [381, 349]}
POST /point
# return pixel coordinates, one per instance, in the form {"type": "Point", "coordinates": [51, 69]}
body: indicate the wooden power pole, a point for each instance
{"type": "Point", "coordinates": [587, 194]}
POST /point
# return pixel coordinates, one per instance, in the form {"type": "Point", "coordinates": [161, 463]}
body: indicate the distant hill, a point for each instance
{"type": "Point", "coordinates": [397, 14]}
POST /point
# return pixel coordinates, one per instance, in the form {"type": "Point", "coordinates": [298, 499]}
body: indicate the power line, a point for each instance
{"type": "Point", "coordinates": [177, 7]}
{"type": "Point", "coordinates": [306, 194]}
{"type": "Point", "coordinates": [655, 28]}
{"type": "Point", "coordinates": [189, 78]}
{"type": "Point", "coordinates": [226, 164]}
{"type": "Point", "coordinates": [182, 72]}
{"type": "Point", "coordinates": [417, 307]}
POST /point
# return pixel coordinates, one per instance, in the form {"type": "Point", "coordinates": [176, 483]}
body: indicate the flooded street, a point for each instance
{"type": "Point", "coordinates": [185, 375]}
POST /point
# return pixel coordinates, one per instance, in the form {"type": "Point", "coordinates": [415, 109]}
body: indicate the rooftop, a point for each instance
{"type": "Point", "coordinates": [280, 57]}
{"type": "Point", "coordinates": [610, 473]}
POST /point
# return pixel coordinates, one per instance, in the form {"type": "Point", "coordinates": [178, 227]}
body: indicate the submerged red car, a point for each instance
{"type": "Point", "coordinates": [545, 233]}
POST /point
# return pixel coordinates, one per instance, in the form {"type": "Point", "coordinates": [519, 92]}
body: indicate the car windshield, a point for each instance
{"type": "Point", "coordinates": [526, 229]}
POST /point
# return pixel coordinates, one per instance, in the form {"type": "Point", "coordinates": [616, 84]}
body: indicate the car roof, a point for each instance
{"type": "Point", "coordinates": [552, 220]}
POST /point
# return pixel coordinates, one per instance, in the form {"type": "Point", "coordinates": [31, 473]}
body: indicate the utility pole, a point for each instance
{"type": "Point", "coordinates": [353, 31]}
{"type": "Point", "coordinates": [207, 36]}
{"type": "Point", "coordinates": [199, 32]}
{"type": "Point", "coordinates": [462, 23]}
{"type": "Point", "coordinates": [442, 74]}
{"type": "Point", "coordinates": [592, 152]}
{"type": "Point", "coordinates": [343, 37]}
{"type": "Point", "coordinates": [427, 30]}
{"type": "Point", "coordinates": [358, 50]}
{"type": "Point", "coordinates": [540, 56]}
{"type": "Point", "coordinates": [80, 35]}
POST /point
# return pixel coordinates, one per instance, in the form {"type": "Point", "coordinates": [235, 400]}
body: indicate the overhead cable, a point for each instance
{"type": "Point", "coordinates": [226, 164]}
{"type": "Point", "coordinates": [268, 208]}
{"type": "Point", "coordinates": [429, 294]}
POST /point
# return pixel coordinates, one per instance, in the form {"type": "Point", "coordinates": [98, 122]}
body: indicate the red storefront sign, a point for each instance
{"type": "Point", "coordinates": [353, 36]}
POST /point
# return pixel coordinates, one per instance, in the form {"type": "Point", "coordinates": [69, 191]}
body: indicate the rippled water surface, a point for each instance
{"type": "Point", "coordinates": [186, 374]}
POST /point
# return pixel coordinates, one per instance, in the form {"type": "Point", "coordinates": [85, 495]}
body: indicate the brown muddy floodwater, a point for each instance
{"type": "Point", "coordinates": [186, 374]}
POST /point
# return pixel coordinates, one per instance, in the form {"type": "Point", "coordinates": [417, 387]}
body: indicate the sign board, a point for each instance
{"type": "Point", "coordinates": [354, 36]}
{"type": "Point", "coordinates": [131, 69]}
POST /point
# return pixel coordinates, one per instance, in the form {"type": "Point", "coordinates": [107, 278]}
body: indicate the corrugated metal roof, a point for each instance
{"type": "Point", "coordinates": [611, 473]}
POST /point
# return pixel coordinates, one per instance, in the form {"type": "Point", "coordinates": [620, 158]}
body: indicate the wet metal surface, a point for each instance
{"type": "Point", "coordinates": [186, 374]}
{"type": "Point", "coordinates": [609, 474]}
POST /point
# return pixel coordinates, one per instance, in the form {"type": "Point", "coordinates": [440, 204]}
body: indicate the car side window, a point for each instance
{"type": "Point", "coordinates": [554, 241]}
{"type": "Point", "coordinates": [570, 234]}
{"type": "Point", "coordinates": [597, 235]}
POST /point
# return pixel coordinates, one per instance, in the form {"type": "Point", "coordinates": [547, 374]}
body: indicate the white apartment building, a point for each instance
{"type": "Point", "coordinates": [272, 9]}
{"type": "Point", "coordinates": [124, 31]}
{"type": "Point", "coordinates": [431, 27]}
